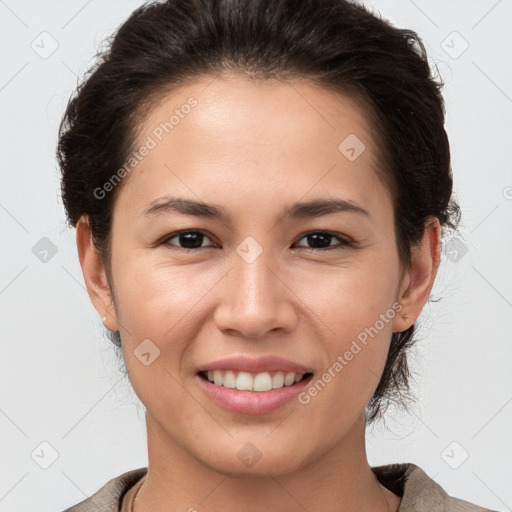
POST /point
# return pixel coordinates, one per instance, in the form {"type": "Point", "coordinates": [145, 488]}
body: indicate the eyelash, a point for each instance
{"type": "Point", "coordinates": [344, 242]}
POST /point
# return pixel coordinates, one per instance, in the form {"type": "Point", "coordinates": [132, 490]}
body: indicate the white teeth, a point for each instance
{"type": "Point", "coordinates": [229, 380]}
{"type": "Point", "coordinates": [262, 382]}
{"type": "Point", "coordinates": [289, 379]}
{"type": "Point", "coordinates": [244, 381]}
{"type": "Point", "coordinates": [217, 378]}
{"type": "Point", "coordinates": [278, 380]}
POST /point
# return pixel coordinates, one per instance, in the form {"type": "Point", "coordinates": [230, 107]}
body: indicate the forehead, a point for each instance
{"type": "Point", "coordinates": [262, 112]}
{"type": "Point", "coordinates": [229, 135]}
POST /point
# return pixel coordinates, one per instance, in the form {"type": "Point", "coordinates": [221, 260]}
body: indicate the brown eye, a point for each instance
{"type": "Point", "coordinates": [188, 240]}
{"type": "Point", "coordinates": [321, 241]}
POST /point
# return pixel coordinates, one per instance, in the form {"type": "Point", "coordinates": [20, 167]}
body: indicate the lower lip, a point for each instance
{"type": "Point", "coordinates": [253, 402]}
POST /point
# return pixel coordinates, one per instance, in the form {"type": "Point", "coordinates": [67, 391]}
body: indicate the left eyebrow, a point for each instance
{"type": "Point", "coordinates": [319, 207]}
{"type": "Point", "coordinates": [314, 208]}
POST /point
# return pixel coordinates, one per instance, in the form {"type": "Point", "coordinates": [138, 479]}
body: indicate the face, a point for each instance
{"type": "Point", "coordinates": [254, 276]}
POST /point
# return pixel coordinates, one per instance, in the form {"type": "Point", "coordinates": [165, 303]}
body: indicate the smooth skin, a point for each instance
{"type": "Point", "coordinates": [255, 148]}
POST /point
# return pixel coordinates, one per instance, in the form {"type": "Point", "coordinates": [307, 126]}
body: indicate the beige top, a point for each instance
{"type": "Point", "coordinates": [418, 491]}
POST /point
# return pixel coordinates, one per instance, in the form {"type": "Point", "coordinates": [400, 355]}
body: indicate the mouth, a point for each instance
{"type": "Point", "coordinates": [252, 381]}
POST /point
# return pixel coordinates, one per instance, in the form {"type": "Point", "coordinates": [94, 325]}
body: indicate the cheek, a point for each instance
{"type": "Point", "coordinates": [154, 299]}
{"type": "Point", "coordinates": [349, 299]}
{"type": "Point", "coordinates": [160, 305]}
{"type": "Point", "coordinates": [354, 311]}
{"type": "Point", "coordinates": [355, 346]}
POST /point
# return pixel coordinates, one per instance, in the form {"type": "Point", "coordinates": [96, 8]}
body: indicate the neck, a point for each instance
{"type": "Point", "coordinates": [339, 480]}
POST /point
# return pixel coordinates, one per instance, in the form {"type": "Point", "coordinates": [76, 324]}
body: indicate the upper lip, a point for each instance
{"type": "Point", "coordinates": [256, 364]}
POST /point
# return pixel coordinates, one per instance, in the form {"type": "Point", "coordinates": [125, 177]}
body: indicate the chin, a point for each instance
{"type": "Point", "coordinates": [255, 456]}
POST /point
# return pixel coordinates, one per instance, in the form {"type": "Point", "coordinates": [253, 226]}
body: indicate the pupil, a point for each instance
{"type": "Point", "coordinates": [316, 236]}
{"type": "Point", "coordinates": [188, 242]}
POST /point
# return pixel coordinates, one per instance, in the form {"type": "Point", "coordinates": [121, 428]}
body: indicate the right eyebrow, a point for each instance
{"type": "Point", "coordinates": [187, 207]}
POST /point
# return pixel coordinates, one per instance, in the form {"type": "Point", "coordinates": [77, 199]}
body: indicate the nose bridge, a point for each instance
{"type": "Point", "coordinates": [255, 300]}
{"type": "Point", "coordinates": [252, 279]}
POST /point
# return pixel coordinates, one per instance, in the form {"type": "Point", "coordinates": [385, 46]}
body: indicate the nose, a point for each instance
{"type": "Point", "coordinates": [256, 299]}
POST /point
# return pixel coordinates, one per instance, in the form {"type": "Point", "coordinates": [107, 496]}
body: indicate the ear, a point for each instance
{"type": "Point", "coordinates": [419, 279]}
{"type": "Point", "coordinates": [95, 276]}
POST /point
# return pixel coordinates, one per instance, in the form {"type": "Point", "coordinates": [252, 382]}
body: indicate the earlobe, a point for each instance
{"type": "Point", "coordinates": [419, 279]}
{"type": "Point", "coordinates": [95, 277]}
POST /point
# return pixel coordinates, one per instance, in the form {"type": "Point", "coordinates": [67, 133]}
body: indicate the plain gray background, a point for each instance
{"type": "Point", "coordinates": [69, 420]}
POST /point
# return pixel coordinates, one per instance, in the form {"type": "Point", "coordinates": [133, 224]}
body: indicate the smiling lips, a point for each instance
{"type": "Point", "coordinates": [251, 385]}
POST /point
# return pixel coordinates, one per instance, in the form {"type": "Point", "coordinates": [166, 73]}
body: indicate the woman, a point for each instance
{"type": "Point", "coordinates": [260, 189]}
